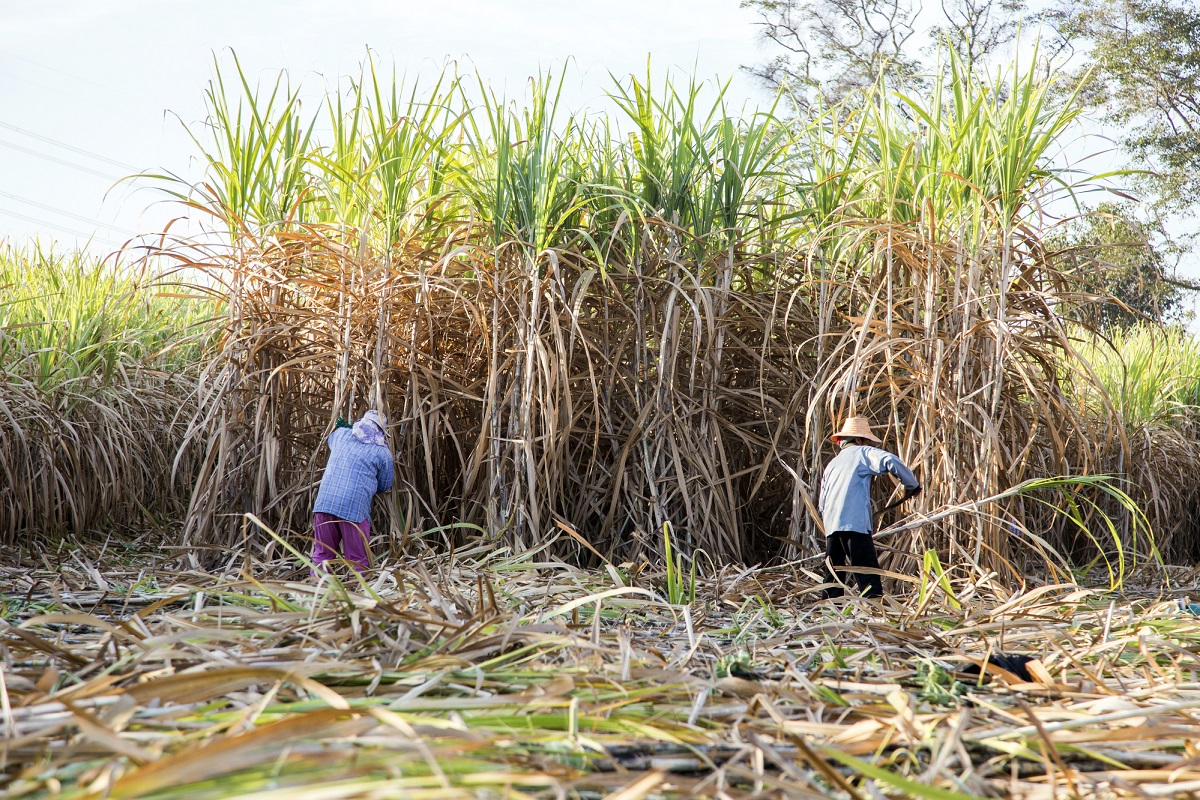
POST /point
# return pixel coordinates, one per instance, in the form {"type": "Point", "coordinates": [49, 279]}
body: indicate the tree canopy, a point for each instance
{"type": "Point", "coordinates": [1141, 62]}
{"type": "Point", "coordinates": [828, 50]}
{"type": "Point", "coordinates": [1114, 254]}
{"type": "Point", "coordinates": [1145, 61]}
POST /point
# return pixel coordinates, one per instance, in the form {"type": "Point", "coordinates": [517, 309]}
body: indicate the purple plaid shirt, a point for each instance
{"type": "Point", "coordinates": [355, 472]}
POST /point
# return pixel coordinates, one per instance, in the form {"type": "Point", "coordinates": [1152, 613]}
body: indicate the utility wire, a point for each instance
{"type": "Point", "coordinates": [70, 164]}
{"type": "Point", "coordinates": [72, 75]}
{"type": "Point", "coordinates": [66, 146]}
{"type": "Point", "coordinates": [45, 207]}
{"type": "Point", "coordinates": [48, 224]}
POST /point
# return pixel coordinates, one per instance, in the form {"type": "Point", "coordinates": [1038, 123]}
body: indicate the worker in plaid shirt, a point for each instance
{"type": "Point", "coordinates": [360, 465]}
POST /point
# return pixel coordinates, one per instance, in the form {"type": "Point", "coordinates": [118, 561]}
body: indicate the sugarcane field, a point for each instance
{"type": "Point", "coordinates": [829, 428]}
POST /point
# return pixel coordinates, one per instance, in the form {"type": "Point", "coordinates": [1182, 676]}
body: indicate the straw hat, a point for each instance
{"type": "Point", "coordinates": [856, 428]}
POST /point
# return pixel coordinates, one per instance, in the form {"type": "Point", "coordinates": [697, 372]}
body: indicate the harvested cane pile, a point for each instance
{"type": "Point", "coordinates": [496, 675]}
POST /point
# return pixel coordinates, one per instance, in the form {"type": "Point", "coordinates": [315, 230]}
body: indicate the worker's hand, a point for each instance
{"type": "Point", "coordinates": [911, 493]}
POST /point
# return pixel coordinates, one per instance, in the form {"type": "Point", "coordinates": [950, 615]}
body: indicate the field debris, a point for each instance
{"type": "Point", "coordinates": [493, 675]}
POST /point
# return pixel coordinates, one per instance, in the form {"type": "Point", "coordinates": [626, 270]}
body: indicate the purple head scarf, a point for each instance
{"type": "Point", "coordinates": [370, 429]}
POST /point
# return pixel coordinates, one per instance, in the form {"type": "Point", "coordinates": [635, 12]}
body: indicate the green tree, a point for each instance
{"type": "Point", "coordinates": [1145, 59]}
{"type": "Point", "coordinates": [1129, 263]}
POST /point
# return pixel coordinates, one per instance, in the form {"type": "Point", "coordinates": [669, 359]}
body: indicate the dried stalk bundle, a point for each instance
{"type": "Point", "coordinates": [960, 355]}
{"type": "Point", "coordinates": [85, 456]}
{"type": "Point", "coordinates": [645, 406]}
{"type": "Point", "coordinates": [1149, 380]}
{"type": "Point", "coordinates": [619, 428]}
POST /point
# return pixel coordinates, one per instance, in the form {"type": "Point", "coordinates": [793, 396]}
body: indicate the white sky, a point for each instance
{"type": "Point", "coordinates": [108, 78]}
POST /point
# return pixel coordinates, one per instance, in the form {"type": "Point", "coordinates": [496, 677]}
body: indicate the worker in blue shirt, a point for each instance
{"type": "Point", "coordinates": [846, 504]}
{"type": "Point", "coordinates": [360, 465]}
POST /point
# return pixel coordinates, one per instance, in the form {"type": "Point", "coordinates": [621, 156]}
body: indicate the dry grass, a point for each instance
{"type": "Point", "coordinates": [1150, 377]}
{"type": "Point", "coordinates": [98, 370]}
{"type": "Point", "coordinates": [621, 435]}
{"type": "Point", "coordinates": [493, 675]}
{"type": "Point", "coordinates": [631, 425]}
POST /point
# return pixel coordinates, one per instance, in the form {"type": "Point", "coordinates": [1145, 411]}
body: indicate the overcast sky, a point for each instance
{"type": "Point", "coordinates": [90, 90]}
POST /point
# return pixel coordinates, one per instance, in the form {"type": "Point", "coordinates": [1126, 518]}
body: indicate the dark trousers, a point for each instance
{"type": "Point", "coordinates": [859, 550]}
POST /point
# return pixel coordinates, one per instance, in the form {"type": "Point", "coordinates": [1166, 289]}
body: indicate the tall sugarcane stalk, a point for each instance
{"type": "Point", "coordinates": [625, 332]}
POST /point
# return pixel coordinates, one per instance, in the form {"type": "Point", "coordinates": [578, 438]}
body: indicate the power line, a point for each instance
{"type": "Point", "coordinates": [72, 75]}
{"type": "Point", "coordinates": [70, 164]}
{"type": "Point", "coordinates": [66, 146]}
{"type": "Point", "coordinates": [45, 207]}
{"type": "Point", "coordinates": [48, 224]}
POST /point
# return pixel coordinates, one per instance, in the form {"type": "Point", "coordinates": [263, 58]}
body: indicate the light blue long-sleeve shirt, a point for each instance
{"type": "Point", "coordinates": [355, 472]}
{"type": "Point", "coordinates": [846, 487]}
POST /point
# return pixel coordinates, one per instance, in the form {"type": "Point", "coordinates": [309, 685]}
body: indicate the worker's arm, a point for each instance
{"type": "Point", "coordinates": [386, 472]}
{"type": "Point", "coordinates": [882, 461]}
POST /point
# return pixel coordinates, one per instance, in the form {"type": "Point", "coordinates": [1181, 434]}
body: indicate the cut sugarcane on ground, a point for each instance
{"type": "Point", "coordinates": [495, 675]}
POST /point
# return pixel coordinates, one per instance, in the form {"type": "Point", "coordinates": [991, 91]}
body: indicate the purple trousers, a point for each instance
{"type": "Point", "coordinates": [337, 538]}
